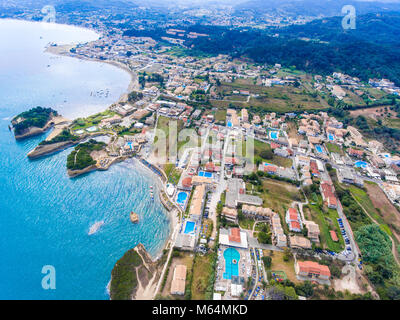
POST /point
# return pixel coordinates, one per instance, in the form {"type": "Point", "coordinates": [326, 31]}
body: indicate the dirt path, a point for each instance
{"type": "Point", "coordinates": [349, 281]}
{"type": "Point", "coordinates": [394, 250]}
{"type": "Point", "coordinates": [147, 292]}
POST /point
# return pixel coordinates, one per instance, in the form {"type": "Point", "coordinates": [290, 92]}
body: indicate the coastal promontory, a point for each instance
{"type": "Point", "coordinates": [33, 122]}
{"type": "Point", "coordinates": [133, 274]}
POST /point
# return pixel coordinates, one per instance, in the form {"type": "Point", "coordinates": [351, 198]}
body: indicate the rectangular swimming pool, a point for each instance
{"type": "Point", "coordinates": [205, 174]}
{"type": "Point", "coordinates": [318, 148]}
{"type": "Point", "coordinates": [189, 227]}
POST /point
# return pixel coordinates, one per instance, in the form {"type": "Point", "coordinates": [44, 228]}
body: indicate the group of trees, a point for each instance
{"type": "Point", "coordinates": [381, 267]}
{"type": "Point", "coordinates": [264, 235]}
{"type": "Point", "coordinates": [352, 210]}
{"type": "Point", "coordinates": [255, 179]}
{"type": "Point", "coordinates": [36, 117]}
{"type": "Point", "coordinates": [152, 77]}
{"type": "Point", "coordinates": [80, 157]}
{"type": "Point", "coordinates": [134, 96]}
{"type": "Point", "coordinates": [123, 276]}
{"type": "Point", "coordinates": [65, 135]}
{"type": "Point", "coordinates": [287, 290]}
{"type": "Point", "coordinates": [353, 53]}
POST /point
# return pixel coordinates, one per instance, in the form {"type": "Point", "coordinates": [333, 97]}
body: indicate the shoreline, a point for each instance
{"type": "Point", "coordinates": [63, 51]}
{"type": "Point", "coordinates": [172, 215]}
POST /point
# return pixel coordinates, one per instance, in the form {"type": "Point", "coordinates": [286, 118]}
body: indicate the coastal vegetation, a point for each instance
{"type": "Point", "coordinates": [80, 158]}
{"type": "Point", "coordinates": [134, 96]}
{"type": "Point", "coordinates": [124, 278]}
{"type": "Point", "coordinates": [65, 135]}
{"type": "Point", "coordinates": [35, 117]}
{"type": "Point", "coordinates": [83, 123]}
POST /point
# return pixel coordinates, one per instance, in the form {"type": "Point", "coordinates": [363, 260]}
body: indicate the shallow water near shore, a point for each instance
{"type": "Point", "coordinates": [45, 216]}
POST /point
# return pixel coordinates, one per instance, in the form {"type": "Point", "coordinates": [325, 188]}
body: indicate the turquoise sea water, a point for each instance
{"type": "Point", "coordinates": [45, 216]}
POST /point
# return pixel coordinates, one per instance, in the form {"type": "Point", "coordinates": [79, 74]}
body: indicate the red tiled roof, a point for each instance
{"type": "Point", "coordinates": [295, 225]}
{"type": "Point", "coordinates": [314, 167]}
{"type": "Point", "coordinates": [356, 152]}
{"type": "Point", "coordinates": [274, 145]}
{"type": "Point", "coordinates": [332, 201]}
{"type": "Point", "coordinates": [327, 189]}
{"type": "Point", "coordinates": [333, 235]}
{"type": "Point", "coordinates": [234, 235]}
{"type": "Point", "coordinates": [313, 267]}
{"type": "Point", "coordinates": [187, 182]}
{"type": "Point", "coordinates": [270, 168]}
{"type": "Point", "coordinates": [293, 216]}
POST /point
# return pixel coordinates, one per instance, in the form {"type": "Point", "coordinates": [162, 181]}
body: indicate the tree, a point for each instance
{"type": "Point", "coordinates": [266, 154]}
{"type": "Point", "coordinates": [393, 293]}
{"type": "Point", "coordinates": [305, 289]}
{"type": "Point", "coordinates": [287, 254]}
{"type": "Point", "coordinates": [267, 262]}
{"type": "Point", "coordinates": [264, 237]}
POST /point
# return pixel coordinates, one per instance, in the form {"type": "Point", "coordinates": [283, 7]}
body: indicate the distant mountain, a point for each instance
{"type": "Point", "coordinates": [321, 46]}
{"type": "Point", "coordinates": [326, 8]}
{"type": "Point", "coordinates": [71, 5]}
{"type": "Point", "coordinates": [377, 28]}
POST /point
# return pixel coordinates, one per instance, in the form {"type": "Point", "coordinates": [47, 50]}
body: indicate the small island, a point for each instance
{"type": "Point", "coordinates": [134, 217]}
{"type": "Point", "coordinates": [81, 159]}
{"type": "Point", "coordinates": [33, 122]}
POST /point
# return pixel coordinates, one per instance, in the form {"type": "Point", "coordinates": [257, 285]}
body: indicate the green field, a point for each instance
{"type": "Point", "coordinates": [362, 197]}
{"type": "Point", "coordinates": [334, 148]}
{"type": "Point", "coordinates": [203, 270]}
{"type": "Point", "coordinates": [326, 220]}
{"type": "Point", "coordinates": [276, 98]}
{"type": "Point", "coordinates": [83, 123]}
{"type": "Point", "coordinates": [260, 146]}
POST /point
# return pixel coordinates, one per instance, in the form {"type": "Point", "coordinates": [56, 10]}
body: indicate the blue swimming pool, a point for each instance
{"type": "Point", "coordinates": [331, 137]}
{"type": "Point", "coordinates": [319, 148]}
{"type": "Point", "coordinates": [205, 174]}
{"type": "Point", "coordinates": [273, 135]}
{"type": "Point", "coordinates": [361, 164]}
{"type": "Point", "coordinates": [181, 198]}
{"type": "Point", "coordinates": [189, 226]}
{"type": "Point", "coordinates": [229, 124]}
{"type": "Point", "coordinates": [232, 257]}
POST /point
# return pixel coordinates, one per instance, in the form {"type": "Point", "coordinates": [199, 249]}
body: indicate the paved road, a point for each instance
{"type": "Point", "coordinates": [255, 244]}
{"type": "Point", "coordinates": [172, 243]}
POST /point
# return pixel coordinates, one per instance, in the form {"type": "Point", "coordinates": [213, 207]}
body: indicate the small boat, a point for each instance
{"type": "Point", "coordinates": [95, 227]}
{"type": "Point", "coordinates": [134, 217]}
